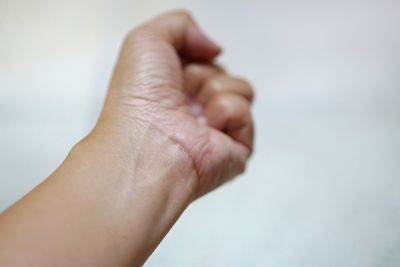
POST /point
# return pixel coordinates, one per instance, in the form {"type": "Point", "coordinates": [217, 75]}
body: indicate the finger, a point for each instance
{"type": "Point", "coordinates": [223, 83]}
{"type": "Point", "coordinates": [195, 75]}
{"type": "Point", "coordinates": [179, 29]}
{"type": "Point", "coordinates": [231, 114]}
{"type": "Point", "coordinates": [230, 155]}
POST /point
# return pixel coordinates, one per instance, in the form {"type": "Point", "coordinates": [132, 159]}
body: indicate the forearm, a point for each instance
{"type": "Point", "coordinates": [94, 210]}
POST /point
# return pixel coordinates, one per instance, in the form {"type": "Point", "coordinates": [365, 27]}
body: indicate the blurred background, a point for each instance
{"type": "Point", "coordinates": [323, 187]}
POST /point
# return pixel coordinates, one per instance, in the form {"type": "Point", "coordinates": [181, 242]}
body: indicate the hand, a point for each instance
{"type": "Point", "coordinates": [174, 126]}
{"type": "Point", "coordinates": [166, 90]}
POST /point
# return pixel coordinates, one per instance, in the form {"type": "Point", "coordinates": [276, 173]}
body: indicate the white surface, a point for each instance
{"type": "Point", "coordinates": [323, 188]}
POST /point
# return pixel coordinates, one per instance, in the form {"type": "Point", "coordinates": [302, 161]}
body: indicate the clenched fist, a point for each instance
{"type": "Point", "coordinates": [166, 89]}
{"type": "Point", "coordinates": [174, 126]}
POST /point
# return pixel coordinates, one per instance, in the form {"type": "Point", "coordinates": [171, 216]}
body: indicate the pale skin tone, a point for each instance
{"type": "Point", "coordinates": [174, 126]}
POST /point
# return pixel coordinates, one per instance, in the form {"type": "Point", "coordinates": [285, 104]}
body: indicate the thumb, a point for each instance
{"type": "Point", "coordinates": [180, 30]}
{"type": "Point", "coordinates": [152, 54]}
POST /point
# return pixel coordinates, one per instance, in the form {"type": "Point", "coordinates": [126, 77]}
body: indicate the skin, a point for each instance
{"type": "Point", "coordinates": [174, 126]}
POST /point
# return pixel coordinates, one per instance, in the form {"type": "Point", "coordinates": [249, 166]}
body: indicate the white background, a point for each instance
{"type": "Point", "coordinates": [323, 188]}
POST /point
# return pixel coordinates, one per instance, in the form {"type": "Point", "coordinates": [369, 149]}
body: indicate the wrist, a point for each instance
{"type": "Point", "coordinates": [144, 156]}
{"type": "Point", "coordinates": [147, 189]}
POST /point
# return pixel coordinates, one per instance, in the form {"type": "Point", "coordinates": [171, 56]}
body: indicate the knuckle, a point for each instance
{"type": "Point", "coordinates": [131, 35]}
{"type": "Point", "coordinates": [229, 104]}
{"type": "Point", "coordinates": [192, 68]}
{"type": "Point", "coordinates": [246, 87]}
{"type": "Point", "coordinates": [221, 83]}
{"type": "Point", "coordinates": [139, 34]}
{"type": "Point", "coordinates": [215, 83]}
{"type": "Point", "coordinates": [245, 83]}
{"type": "Point", "coordinates": [241, 166]}
{"type": "Point", "coordinates": [183, 14]}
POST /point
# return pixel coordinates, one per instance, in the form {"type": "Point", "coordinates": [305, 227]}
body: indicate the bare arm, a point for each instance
{"type": "Point", "coordinates": [173, 127]}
